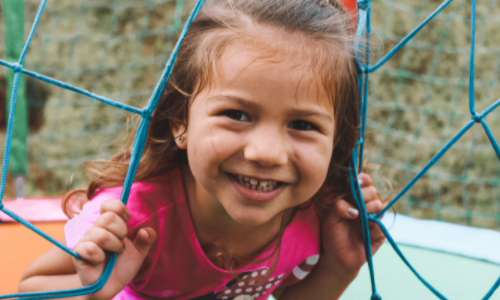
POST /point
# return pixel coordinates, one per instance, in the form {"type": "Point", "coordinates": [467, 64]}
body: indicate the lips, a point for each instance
{"type": "Point", "coordinates": [256, 190]}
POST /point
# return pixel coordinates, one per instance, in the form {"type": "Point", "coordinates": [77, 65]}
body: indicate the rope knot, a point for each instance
{"type": "Point", "coordinates": [146, 115]}
{"type": "Point", "coordinates": [17, 67]}
{"type": "Point", "coordinates": [363, 4]}
{"type": "Point", "coordinates": [360, 141]}
{"type": "Point", "coordinates": [477, 118]}
{"type": "Point", "coordinates": [376, 296]}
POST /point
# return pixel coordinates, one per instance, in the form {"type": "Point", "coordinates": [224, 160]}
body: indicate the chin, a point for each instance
{"type": "Point", "coordinates": [251, 218]}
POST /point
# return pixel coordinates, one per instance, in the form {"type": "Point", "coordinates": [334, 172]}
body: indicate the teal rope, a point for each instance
{"type": "Point", "coordinates": [17, 67]}
{"type": "Point", "coordinates": [364, 24]}
{"type": "Point", "coordinates": [358, 198]}
{"type": "Point", "coordinates": [406, 39]}
{"type": "Point", "coordinates": [356, 163]}
{"type": "Point", "coordinates": [403, 258]}
{"type": "Point", "coordinates": [492, 290]}
{"type": "Point", "coordinates": [146, 113]}
{"type": "Point", "coordinates": [366, 12]}
{"type": "Point", "coordinates": [472, 102]}
{"type": "Point", "coordinates": [6, 153]}
{"type": "Point", "coordinates": [433, 160]}
{"type": "Point", "coordinates": [74, 89]}
{"type": "Point", "coordinates": [492, 139]}
{"type": "Point", "coordinates": [134, 162]}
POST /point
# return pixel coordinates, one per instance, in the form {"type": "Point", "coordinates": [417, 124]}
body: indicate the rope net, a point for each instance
{"type": "Point", "coordinates": [114, 49]}
{"type": "Point", "coordinates": [432, 124]}
{"type": "Point", "coordinates": [423, 101]}
{"type": "Point", "coordinates": [419, 99]}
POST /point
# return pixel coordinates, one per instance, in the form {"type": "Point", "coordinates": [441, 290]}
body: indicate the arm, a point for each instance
{"type": "Point", "coordinates": [53, 270]}
{"type": "Point", "coordinates": [321, 283]}
{"type": "Point", "coordinates": [58, 270]}
{"type": "Point", "coordinates": [343, 251]}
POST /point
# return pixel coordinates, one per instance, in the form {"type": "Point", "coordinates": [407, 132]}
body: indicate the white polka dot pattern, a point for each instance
{"type": "Point", "coordinates": [251, 285]}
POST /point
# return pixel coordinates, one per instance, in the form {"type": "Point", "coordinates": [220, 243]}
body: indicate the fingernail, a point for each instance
{"type": "Point", "coordinates": [360, 181]}
{"type": "Point", "coordinates": [353, 212]}
{"type": "Point", "coordinates": [123, 249]}
{"type": "Point", "coordinates": [126, 216]}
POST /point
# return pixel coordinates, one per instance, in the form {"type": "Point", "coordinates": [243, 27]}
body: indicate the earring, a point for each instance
{"type": "Point", "coordinates": [181, 139]}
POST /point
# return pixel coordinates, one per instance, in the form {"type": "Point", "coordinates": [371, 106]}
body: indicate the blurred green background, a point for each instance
{"type": "Point", "coordinates": [417, 101]}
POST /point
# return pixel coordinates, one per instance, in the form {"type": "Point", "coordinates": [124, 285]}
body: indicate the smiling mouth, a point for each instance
{"type": "Point", "coordinates": [258, 185]}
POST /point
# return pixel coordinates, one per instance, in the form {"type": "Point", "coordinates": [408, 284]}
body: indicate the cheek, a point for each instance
{"type": "Point", "coordinates": [211, 145]}
{"type": "Point", "coordinates": [225, 143]}
{"type": "Point", "coordinates": [313, 161]}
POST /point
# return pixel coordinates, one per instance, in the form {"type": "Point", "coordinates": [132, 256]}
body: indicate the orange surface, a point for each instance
{"type": "Point", "coordinates": [19, 246]}
{"type": "Point", "coordinates": [350, 4]}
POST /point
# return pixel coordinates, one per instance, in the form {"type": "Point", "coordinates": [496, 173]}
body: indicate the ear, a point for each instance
{"type": "Point", "coordinates": [179, 131]}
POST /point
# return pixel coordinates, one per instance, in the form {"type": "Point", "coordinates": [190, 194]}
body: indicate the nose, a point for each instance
{"type": "Point", "coordinates": [266, 147]}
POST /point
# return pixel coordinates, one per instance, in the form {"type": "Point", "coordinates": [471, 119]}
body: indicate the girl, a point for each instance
{"type": "Point", "coordinates": [238, 193]}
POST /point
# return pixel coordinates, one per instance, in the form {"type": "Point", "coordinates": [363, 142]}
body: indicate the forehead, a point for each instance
{"type": "Point", "coordinates": [290, 72]}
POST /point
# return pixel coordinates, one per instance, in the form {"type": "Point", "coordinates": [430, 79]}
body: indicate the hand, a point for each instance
{"type": "Point", "coordinates": [109, 233]}
{"type": "Point", "coordinates": [342, 239]}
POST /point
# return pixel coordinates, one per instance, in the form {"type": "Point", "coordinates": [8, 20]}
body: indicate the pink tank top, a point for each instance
{"type": "Point", "coordinates": [177, 268]}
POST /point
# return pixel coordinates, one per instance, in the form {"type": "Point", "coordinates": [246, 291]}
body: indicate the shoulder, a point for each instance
{"type": "Point", "coordinates": [153, 195]}
{"type": "Point", "coordinates": [147, 197]}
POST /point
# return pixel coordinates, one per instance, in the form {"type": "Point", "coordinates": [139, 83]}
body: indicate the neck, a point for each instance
{"type": "Point", "coordinates": [213, 225]}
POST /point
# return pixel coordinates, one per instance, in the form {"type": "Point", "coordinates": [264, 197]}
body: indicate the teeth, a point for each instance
{"type": "Point", "coordinates": [255, 184]}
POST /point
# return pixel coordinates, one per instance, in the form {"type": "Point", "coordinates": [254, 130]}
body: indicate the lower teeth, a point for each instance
{"type": "Point", "coordinates": [255, 187]}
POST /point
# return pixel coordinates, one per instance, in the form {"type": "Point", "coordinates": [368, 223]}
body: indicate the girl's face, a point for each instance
{"type": "Point", "coordinates": [260, 139]}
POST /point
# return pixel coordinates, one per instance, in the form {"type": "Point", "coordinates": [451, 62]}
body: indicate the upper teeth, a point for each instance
{"type": "Point", "coordinates": [263, 185]}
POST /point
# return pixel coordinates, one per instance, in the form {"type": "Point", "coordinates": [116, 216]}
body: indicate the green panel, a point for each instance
{"type": "Point", "coordinates": [13, 12]}
{"type": "Point", "coordinates": [456, 277]}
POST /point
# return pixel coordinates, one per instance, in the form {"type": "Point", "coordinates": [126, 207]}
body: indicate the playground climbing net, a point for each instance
{"type": "Point", "coordinates": [386, 72]}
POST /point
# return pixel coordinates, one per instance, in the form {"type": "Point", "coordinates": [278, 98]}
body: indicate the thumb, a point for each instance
{"type": "Point", "coordinates": [144, 239]}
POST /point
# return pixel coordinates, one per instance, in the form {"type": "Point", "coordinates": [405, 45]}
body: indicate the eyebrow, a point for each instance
{"type": "Point", "coordinates": [253, 105]}
{"type": "Point", "coordinates": [240, 101]}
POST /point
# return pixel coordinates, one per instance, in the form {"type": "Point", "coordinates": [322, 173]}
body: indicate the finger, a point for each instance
{"type": "Point", "coordinates": [112, 223]}
{"type": "Point", "coordinates": [374, 206]}
{"type": "Point", "coordinates": [144, 239]}
{"type": "Point", "coordinates": [89, 251]}
{"type": "Point", "coordinates": [376, 233]}
{"type": "Point", "coordinates": [116, 206]}
{"type": "Point", "coordinates": [377, 236]}
{"type": "Point", "coordinates": [346, 210]}
{"type": "Point", "coordinates": [104, 239]}
{"type": "Point", "coordinates": [365, 180]}
{"type": "Point", "coordinates": [369, 193]}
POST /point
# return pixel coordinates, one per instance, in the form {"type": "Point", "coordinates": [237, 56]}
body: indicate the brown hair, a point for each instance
{"type": "Point", "coordinates": [224, 22]}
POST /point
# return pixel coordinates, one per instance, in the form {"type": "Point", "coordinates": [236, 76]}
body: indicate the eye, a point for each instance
{"type": "Point", "coordinates": [236, 115]}
{"type": "Point", "coordinates": [302, 125]}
